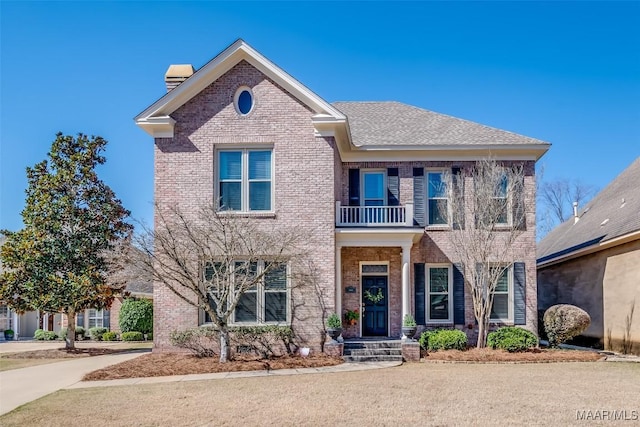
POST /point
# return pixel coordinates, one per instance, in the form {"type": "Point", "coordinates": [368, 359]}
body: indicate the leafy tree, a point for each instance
{"type": "Point", "coordinates": [136, 316]}
{"type": "Point", "coordinates": [73, 224]}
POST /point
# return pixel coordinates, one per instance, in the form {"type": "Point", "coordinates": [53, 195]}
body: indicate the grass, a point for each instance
{"type": "Point", "coordinates": [412, 394]}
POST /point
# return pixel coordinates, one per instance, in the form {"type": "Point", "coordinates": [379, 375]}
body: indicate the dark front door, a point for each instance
{"type": "Point", "coordinates": [375, 310]}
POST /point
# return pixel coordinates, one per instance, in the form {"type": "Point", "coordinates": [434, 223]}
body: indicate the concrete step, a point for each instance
{"type": "Point", "coordinates": [373, 345]}
{"type": "Point", "coordinates": [373, 352]}
{"type": "Point", "coordinates": [354, 359]}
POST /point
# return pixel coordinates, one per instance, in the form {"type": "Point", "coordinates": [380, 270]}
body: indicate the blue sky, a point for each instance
{"type": "Point", "coordinates": [564, 72]}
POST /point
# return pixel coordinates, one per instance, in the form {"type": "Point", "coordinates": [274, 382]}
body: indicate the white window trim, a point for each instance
{"type": "Point", "coordinates": [260, 300]}
{"type": "Point", "coordinates": [236, 97]}
{"type": "Point", "coordinates": [89, 317]}
{"type": "Point", "coordinates": [509, 200]}
{"type": "Point", "coordinates": [427, 305]}
{"type": "Point", "coordinates": [244, 186]}
{"type": "Point", "coordinates": [363, 172]}
{"type": "Point", "coordinates": [510, 301]}
{"type": "Point", "coordinates": [444, 172]}
{"type": "Point", "coordinates": [362, 275]}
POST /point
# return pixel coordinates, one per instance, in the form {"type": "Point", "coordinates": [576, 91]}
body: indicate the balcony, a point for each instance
{"type": "Point", "coordinates": [374, 216]}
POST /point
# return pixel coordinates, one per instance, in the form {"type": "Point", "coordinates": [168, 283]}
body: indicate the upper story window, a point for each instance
{"type": "Point", "coordinates": [245, 180]}
{"type": "Point", "coordinates": [437, 199]}
{"type": "Point", "coordinates": [501, 201]}
{"type": "Point", "coordinates": [243, 100]}
{"type": "Point", "coordinates": [374, 188]}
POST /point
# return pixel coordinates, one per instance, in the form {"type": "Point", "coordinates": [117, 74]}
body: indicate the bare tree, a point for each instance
{"type": "Point", "coordinates": [556, 200]}
{"type": "Point", "coordinates": [485, 246]}
{"type": "Point", "coordinates": [210, 260]}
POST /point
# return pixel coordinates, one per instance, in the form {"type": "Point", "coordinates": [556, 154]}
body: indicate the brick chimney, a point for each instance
{"type": "Point", "coordinates": [176, 74]}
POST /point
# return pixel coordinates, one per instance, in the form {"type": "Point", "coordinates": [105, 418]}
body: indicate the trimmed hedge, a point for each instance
{"type": "Point", "coordinates": [443, 339]}
{"type": "Point", "coordinates": [512, 339]}
{"type": "Point", "coordinates": [136, 316]}
{"type": "Point", "coordinates": [97, 332]}
{"type": "Point", "coordinates": [132, 336]}
{"type": "Point", "coordinates": [43, 335]}
{"type": "Point", "coordinates": [110, 336]}
{"type": "Point", "coordinates": [563, 322]}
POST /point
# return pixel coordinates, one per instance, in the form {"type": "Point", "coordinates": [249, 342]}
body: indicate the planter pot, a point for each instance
{"type": "Point", "coordinates": [334, 333]}
{"type": "Point", "coordinates": [8, 335]}
{"type": "Point", "coordinates": [409, 331]}
{"type": "Point", "coordinates": [304, 351]}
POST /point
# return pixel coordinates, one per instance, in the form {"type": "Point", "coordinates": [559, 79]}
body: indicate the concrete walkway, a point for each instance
{"type": "Point", "coordinates": [345, 367]}
{"type": "Point", "coordinates": [20, 386]}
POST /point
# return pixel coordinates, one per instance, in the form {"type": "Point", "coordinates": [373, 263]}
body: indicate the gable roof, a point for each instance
{"type": "Point", "coordinates": [156, 119]}
{"type": "Point", "coordinates": [396, 124]}
{"type": "Point", "coordinates": [611, 215]}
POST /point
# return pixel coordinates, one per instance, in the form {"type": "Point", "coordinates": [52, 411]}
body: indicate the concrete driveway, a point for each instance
{"type": "Point", "coordinates": [20, 386]}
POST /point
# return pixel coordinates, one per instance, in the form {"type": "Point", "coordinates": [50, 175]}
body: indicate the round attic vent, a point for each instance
{"type": "Point", "coordinates": [243, 100]}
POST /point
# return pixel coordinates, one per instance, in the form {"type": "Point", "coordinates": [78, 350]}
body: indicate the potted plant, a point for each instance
{"type": "Point", "coordinates": [351, 317]}
{"type": "Point", "coordinates": [79, 333]}
{"type": "Point", "coordinates": [8, 334]}
{"type": "Point", "coordinates": [409, 326]}
{"type": "Point", "coordinates": [334, 326]}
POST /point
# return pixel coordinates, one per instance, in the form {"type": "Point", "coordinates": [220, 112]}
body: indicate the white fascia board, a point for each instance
{"type": "Point", "coordinates": [157, 127]}
{"type": "Point", "coordinates": [384, 237]}
{"type": "Point", "coordinates": [443, 153]}
{"type": "Point", "coordinates": [596, 247]}
{"type": "Point", "coordinates": [221, 64]}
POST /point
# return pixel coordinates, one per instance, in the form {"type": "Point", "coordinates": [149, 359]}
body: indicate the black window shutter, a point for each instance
{"type": "Point", "coordinates": [419, 195]}
{"type": "Point", "coordinates": [458, 196]}
{"type": "Point", "coordinates": [519, 294]}
{"type": "Point", "coordinates": [354, 187]}
{"type": "Point", "coordinates": [458, 294]}
{"type": "Point", "coordinates": [106, 319]}
{"type": "Point", "coordinates": [419, 297]}
{"type": "Point", "coordinates": [80, 319]}
{"type": "Point", "coordinates": [393, 187]}
{"type": "Point", "coordinates": [519, 217]}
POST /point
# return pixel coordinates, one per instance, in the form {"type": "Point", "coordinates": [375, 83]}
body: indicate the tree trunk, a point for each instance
{"type": "Point", "coordinates": [483, 327]}
{"type": "Point", "coordinates": [70, 339]}
{"type": "Point", "coordinates": [224, 344]}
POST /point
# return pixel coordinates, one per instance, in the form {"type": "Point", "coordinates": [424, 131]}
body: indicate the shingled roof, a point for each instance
{"type": "Point", "coordinates": [397, 124]}
{"type": "Point", "coordinates": [612, 213]}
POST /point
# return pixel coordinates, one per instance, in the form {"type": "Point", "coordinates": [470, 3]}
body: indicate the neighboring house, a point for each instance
{"type": "Point", "coordinates": [355, 175]}
{"type": "Point", "coordinates": [593, 261]}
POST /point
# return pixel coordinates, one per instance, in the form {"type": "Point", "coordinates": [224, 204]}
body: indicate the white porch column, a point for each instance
{"type": "Point", "coordinates": [338, 279]}
{"type": "Point", "coordinates": [406, 291]}
{"type": "Point", "coordinates": [16, 326]}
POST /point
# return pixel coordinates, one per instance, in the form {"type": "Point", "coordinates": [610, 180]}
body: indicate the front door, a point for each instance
{"type": "Point", "coordinates": [375, 307]}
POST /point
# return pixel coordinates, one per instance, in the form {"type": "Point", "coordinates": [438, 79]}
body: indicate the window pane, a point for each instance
{"type": "Point", "coordinates": [501, 191]}
{"type": "Point", "coordinates": [230, 165]}
{"type": "Point", "coordinates": [275, 307]}
{"type": "Point", "coordinates": [439, 305]}
{"type": "Point", "coordinates": [438, 211]}
{"type": "Point", "coordinates": [276, 278]}
{"type": "Point", "coordinates": [503, 283]}
{"type": "Point", "coordinates": [231, 196]}
{"type": "Point", "coordinates": [439, 280]}
{"type": "Point", "coordinates": [374, 186]}
{"type": "Point", "coordinates": [437, 187]}
{"type": "Point", "coordinates": [500, 309]}
{"type": "Point", "coordinates": [245, 102]}
{"type": "Point", "coordinates": [259, 164]}
{"type": "Point", "coordinates": [260, 196]}
{"type": "Point", "coordinates": [246, 309]}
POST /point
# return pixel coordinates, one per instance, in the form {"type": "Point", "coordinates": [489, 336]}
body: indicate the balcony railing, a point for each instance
{"type": "Point", "coordinates": [374, 216]}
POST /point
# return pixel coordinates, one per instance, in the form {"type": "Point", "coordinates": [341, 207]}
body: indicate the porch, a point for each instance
{"type": "Point", "coordinates": [374, 216]}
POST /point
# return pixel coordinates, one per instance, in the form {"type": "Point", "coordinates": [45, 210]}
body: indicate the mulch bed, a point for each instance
{"type": "Point", "coordinates": [62, 353]}
{"type": "Point", "coordinates": [163, 364]}
{"type": "Point", "coordinates": [487, 355]}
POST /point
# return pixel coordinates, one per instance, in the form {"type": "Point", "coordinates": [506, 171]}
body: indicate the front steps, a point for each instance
{"type": "Point", "coordinates": [372, 351]}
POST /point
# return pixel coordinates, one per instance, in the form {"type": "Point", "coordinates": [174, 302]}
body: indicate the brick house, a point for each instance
{"type": "Point", "coordinates": [242, 131]}
{"type": "Point", "coordinates": [592, 260]}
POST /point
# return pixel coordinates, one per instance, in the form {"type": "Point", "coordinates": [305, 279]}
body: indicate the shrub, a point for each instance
{"type": "Point", "coordinates": [80, 332]}
{"type": "Point", "coordinates": [408, 321]}
{"type": "Point", "coordinates": [136, 315]}
{"type": "Point", "coordinates": [263, 340]}
{"type": "Point", "coordinates": [334, 322]}
{"type": "Point", "coordinates": [202, 341]}
{"type": "Point", "coordinates": [443, 339]}
{"type": "Point", "coordinates": [512, 339]}
{"type": "Point", "coordinates": [110, 336]}
{"type": "Point", "coordinates": [62, 334]}
{"type": "Point", "coordinates": [132, 336]}
{"type": "Point", "coordinates": [563, 322]}
{"type": "Point", "coordinates": [96, 333]}
{"type": "Point", "coordinates": [150, 336]}
{"type": "Point", "coordinates": [45, 335]}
